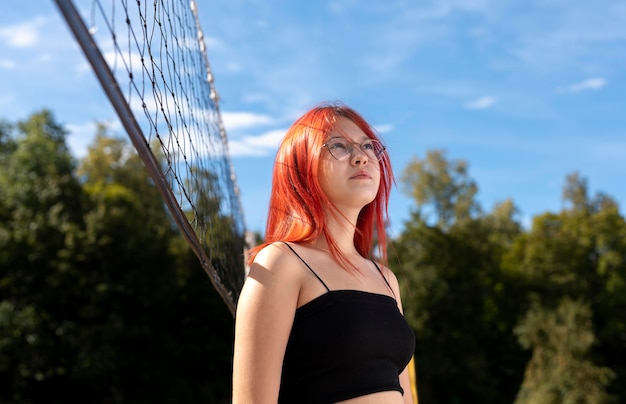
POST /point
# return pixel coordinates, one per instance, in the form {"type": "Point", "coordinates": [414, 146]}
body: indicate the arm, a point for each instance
{"type": "Point", "coordinates": [405, 382]}
{"type": "Point", "coordinates": [405, 378]}
{"type": "Point", "coordinates": [265, 313]}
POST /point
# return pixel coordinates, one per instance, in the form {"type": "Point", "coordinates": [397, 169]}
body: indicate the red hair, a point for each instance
{"type": "Point", "coordinates": [297, 201]}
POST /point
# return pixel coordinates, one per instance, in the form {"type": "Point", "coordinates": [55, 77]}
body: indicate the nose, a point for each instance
{"type": "Point", "coordinates": [358, 156]}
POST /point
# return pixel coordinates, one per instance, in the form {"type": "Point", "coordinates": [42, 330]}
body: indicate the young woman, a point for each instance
{"type": "Point", "coordinates": [318, 320]}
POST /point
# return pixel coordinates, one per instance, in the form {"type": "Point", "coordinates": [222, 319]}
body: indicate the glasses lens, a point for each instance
{"type": "Point", "coordinates": [373, 148]}
{"type": "Point", "coordinates": [340, 148]}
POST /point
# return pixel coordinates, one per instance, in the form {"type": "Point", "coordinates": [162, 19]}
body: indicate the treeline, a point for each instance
{"type": "Point", "coordinates": [505, 314]}
{"type": "Point", "coordinates": [102, 301]}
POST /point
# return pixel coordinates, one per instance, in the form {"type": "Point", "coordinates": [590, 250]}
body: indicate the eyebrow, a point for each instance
{"type": "Point", "coordinates": [363, 139]}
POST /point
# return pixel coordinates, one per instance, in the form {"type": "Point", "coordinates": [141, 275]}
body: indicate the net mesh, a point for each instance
{"type": "Point", "coordinates": [156, 55]}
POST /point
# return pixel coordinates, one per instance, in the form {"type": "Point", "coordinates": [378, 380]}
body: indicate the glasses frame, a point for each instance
{"type": "Point", "coordinates": [350, 149]}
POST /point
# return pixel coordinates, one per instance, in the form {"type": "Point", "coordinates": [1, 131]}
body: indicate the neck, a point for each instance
{"type": "Point", "coordinates": [342, 227]}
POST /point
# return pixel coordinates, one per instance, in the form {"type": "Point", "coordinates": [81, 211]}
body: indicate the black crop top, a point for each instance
{"type": "Point", "coordinates": [345, 344]}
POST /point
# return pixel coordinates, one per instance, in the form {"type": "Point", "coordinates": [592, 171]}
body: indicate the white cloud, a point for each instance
{"type": "Point", "coordinates": [193, 144]}
{"type": "Point", "coordinates": [481, 103]}
{"type": "Point", "coordinates": [22, 35]}
{"type": "Point", "coordinates": [237, 120]}
{"type": "Point", "coordinates": [213, 43]}
{"type": "Point", "coordinates": [384, 128]}
{"type": "Point", "coordinates": [121, 62]}
{"type": "Point", "coordinates": [594, 83]}
{"type": "Point", "coordinates": [80, 136]}
{"type": "Point", "coordinates": [261, 145]}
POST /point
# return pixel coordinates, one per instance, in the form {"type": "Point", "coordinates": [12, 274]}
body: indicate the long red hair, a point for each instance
{"type": "Point", "coordinates": [297, 201]}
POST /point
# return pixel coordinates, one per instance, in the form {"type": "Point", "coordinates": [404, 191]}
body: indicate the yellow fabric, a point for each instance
{"type": "Point", "coordinates": [413, 378]}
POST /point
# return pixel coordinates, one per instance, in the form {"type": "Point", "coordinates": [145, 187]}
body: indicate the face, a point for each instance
{"type": "Point", "coordinates": [351, 183]}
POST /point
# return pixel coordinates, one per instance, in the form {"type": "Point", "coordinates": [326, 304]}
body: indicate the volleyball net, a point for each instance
{"type": "Point", "coordinates": [151, 61]}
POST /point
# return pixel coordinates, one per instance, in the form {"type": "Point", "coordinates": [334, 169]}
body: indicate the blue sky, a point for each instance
{"type": "Point", "coordinates": [525, 91]}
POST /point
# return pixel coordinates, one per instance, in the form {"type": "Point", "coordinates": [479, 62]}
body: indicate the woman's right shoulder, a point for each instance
{"type": "Point", "coordinates": [276, 251]}
{"type": "Point", "coordinates": [277, 258]}
{"type": "Point", "coordinates": [272, 286]}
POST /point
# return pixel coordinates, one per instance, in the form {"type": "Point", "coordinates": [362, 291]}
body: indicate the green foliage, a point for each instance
{"type": "Point", "coordinates": [463, 308]}
{"type": "Point", "coordinates": [217, 233]}
{"type": "Point", "coordinates": [560, 370]}
{"type": "Point", "coordinates": [580, 253]}
{"type": "Point", "coordinates": [444, 185]}
{"type": "Point", "coordinates": [491, 303]}
{"type": "Point", "coordinates": [100, 300]}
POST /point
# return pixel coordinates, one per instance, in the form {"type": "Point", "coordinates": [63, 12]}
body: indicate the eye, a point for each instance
{"type": "Point", "coordinates": [368, 145]}
{"type": "Point", "coordinates": [337, 144]}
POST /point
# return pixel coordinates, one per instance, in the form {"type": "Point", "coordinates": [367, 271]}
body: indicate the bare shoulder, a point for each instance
{"type": "Point", "coordinates": [389, 275]}
{"type": "Point", "coordinates": [276, 260]}
{"type": "Point", "coordinates": [271, 289]}
{"type": "Point", "coordinates": [274, 271]}
{"type": "Point", "coordinates": [393, 282]}
{"type": "Point", "coordinates": [274, 253]}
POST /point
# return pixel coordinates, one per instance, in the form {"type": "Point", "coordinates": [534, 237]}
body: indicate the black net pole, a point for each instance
{"type": "Point", "coordinates": [111, 88]}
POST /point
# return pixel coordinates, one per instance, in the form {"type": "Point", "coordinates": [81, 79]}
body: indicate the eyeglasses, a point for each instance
{"type": "Point", "coordinates": [340, 148]}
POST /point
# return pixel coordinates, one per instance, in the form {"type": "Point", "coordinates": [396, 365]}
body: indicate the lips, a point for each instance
{"type": "Point", "coordinates": [361, 175]}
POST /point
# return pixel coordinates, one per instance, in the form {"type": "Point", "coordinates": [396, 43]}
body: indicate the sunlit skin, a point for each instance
{"type": "Point", "coordinates": [353, 183]}
{"type": "Point", "coordinates": [277, 284]}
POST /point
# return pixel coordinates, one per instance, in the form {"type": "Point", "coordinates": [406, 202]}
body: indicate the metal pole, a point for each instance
{"type": "Point", "coordinates": [111, 88]}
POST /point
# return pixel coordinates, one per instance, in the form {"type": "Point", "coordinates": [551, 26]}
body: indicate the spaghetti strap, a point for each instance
{"type": "Point", "coordinates": [307, 265]}
{"type": "Point", "coordinates": [385, 279]}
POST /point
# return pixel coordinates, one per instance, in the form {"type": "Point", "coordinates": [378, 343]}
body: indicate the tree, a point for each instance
{"type": "Point", "coordinates": [460, 302]}
{"type": "Point", "coordinates": [42, 218]}
{"type": "Point", "coordinates": [218, 234]}
{"type": "Point", "coordinates": [580, 254]}
{"type": "Point", "coordinates": [163, 304]}
{"type": "Point", "coordinates": [101, 300]}
{"type": "Point", "coordinates": [560, 370]}
{"type": "Point", "coordinates": [442, 184]}
{"type": "Point", "coordinates": [470, 279]}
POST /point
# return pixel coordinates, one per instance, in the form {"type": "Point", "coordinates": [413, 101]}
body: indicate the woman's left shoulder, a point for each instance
{"type": "Point", "coordinates": [391, 278]}
{"type": "Point", "coordinates": [388, 274]}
